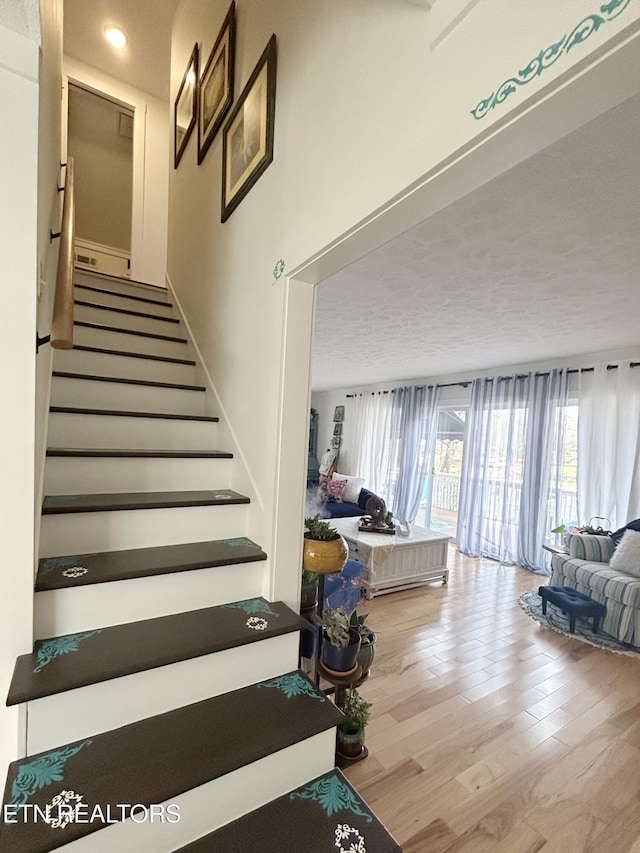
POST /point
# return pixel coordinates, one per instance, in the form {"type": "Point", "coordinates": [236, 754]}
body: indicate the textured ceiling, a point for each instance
{"type": "Point", "coordinates": [542, 262]}
{"type": "Point", "coordinates": [145, 61]}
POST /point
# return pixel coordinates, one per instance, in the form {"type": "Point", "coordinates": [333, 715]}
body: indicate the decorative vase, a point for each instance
{"type": "Point", "coordinates": [324, 556]}
{"type": "Point", "coordinates": [341, 661]}
{"type": "Point", "coordinates": [309, 595]}
{"type": "Point", "coordinates": [349, 744]}
{"type": "Point", "coordinates": [367, 650]}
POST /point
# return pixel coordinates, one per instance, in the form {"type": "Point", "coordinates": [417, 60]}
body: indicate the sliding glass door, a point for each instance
{"type": "Point", "coordinates": [439, 505]}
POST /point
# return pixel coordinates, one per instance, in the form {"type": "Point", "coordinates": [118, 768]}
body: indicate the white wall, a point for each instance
{"type": "Point", "coordinates": [18, 274]}
{"type": "Point", "coordinates": [150, 168]}
{"type": "Point", "coordinates": [103, 159]}
{"type": "Point", "coordinates": [373, 100]}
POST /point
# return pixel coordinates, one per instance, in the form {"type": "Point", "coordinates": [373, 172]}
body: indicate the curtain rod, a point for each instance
{"type": "Point", "coordinates": [467, 382]}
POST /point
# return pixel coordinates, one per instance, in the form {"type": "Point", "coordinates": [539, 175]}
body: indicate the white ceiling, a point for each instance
{"type": "Point", "coordinates": [145, 61]}
{"type": "Point", "coordinates": [542, 262]}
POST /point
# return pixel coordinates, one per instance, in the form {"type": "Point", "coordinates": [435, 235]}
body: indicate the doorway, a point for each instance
{"type": "Point", "coordinates": [100, 139]}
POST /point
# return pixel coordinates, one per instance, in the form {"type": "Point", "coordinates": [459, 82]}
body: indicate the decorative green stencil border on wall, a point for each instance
{"type": "Point", "coordinates": [550, 55]}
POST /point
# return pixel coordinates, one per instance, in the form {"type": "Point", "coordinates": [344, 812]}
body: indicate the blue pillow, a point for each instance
{"type": "Point", "coordinates": [618, 534]}
{"type": "Point", "coordinates": [363, 497]}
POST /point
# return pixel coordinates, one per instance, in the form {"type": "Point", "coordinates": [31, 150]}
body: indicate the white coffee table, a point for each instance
{"type": "Point", "coordinates": [396, 562]}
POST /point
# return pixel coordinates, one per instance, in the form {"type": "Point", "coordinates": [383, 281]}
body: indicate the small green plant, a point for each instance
{"type": "Point", "coordinates": [357, 712]}
{"type": "Point", "coordinates": [320, 530]}
{"type": "Point", "coordinates": [358, 623]}
{"type": "Point", "coordinates": [336, 626]}
{"type": "Point", "coordinates": [309, 577]}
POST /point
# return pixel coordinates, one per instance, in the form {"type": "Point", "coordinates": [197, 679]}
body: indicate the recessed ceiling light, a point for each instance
{"type": "Point", "coordinates": [115, 36]}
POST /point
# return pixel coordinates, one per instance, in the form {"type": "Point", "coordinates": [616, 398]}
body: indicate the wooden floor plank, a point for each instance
{"type": "Point", "coordinates": [493, 733]}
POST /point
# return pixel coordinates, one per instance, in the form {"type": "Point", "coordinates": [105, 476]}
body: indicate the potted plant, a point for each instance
{"type": "Point", "coordinates": [340, 643]}
{"type": "Point", "coordinates": [309, 592]}
{"type": "Point", "coordinates": [324, 550]}
{"type": "Point", "coordinates": [351, 732]}
{"type": "Point", "coordinates": [367, 641]}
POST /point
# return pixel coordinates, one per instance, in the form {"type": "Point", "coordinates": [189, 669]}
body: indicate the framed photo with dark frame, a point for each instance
{"type": "Point", "coordinates": [186, 108]}
{"type": "Point", "coordinates": [338, 415]}
{"type": "Point", "coordinates": [247, 140]}
{"type": "Point", "coordinates": [215, 89]}
{"type": "Point", "coordinates": [337, 428]}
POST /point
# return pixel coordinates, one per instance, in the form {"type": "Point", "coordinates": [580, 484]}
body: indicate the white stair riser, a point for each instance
{"type": "Point", "coordinates": [87, 711]}
{"type": "Point", "coordinates": [93, 394]}
{"type": "Point", "coordinates": [100, 364]}
{"type": "Point", "coordinates": [92, 532]}
{"type": "Point", "coordinates": [121, 285]}
{"type": "Point", "coordinates": [69, 430]}
{"type": "Point", "coordinates": [129, 343]}
{"type": "Point", "coordinates": [67, 611]}
{"type": "Point", "coordinates": [125, 321]}
{"type": "Point", "coordinates": [217, 803]}
{"type": "Point", "coordinates": [76, 475]}
{"type": "Point", "coordinates": [115, 301]}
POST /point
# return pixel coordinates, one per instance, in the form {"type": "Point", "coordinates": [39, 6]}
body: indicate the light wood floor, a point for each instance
{"type": "Point", "coordinates": [491, 732]}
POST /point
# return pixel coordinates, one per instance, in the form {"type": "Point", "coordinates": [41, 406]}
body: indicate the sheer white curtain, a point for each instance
{"type": "Point", "coordinates": [512, 468]}
{"type": "Point", "coordinates": [371, 430]}
{"type": "Point", "coordinates": [609, 444]}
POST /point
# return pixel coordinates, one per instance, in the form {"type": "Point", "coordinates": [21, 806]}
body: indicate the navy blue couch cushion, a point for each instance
{"type": "Point", "coordinates": [618, 534]}
{"type": "Point", "coordinates": [331, 509]}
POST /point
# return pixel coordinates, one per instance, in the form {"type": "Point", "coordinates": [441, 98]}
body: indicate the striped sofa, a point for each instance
{"type": "Point", "coordinates": [586, 569]}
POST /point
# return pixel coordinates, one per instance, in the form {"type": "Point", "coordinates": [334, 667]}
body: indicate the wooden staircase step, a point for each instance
{"type": "Point", "coordinates": [57, 504]}
{"type": "Point", "coordinates": [133, 298]}
{"type": "Point", "coordinates": [96, 452]}
{"type": "Point", "coordinates": [327, 815]}
{"type": "Point", "coordinates": [86, 569]}
{"type": "Point", "coordinates": [92, 274]}
{"type": "Point", "coordinates": [125, 354]}
{"type": "Point", "coordinates": [64, 663]}
{"type": "Point", "coordinates": [75, 410]}
{"type": "Point", "coordinates": [129, 312]}
{"type": "Point", "coordinates": [158, 758]}
{"type": "Point", "coordinates": [176, 386]}
{"type": "Point", "coordinates": [102, 328]}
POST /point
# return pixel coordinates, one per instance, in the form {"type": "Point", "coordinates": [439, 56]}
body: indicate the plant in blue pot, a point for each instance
{"type": "Point", "coordinates": [340, 643]}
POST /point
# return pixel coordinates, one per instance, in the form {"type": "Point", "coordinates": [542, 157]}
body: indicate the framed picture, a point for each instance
{"type": "Point", "coordinates": [247, 141]}
{"type": "Point", "coordinates": [215, 90]}
{"type": "Point", "coordinates": [338, 415]}
{"type": "Point", "coordinates": [186, 108]}
{"type": "Point", "coordinates": [337, 428]}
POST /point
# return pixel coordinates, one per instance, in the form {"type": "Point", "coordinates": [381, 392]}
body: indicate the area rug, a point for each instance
{"type": "Point", "coordinates": [531, 603]}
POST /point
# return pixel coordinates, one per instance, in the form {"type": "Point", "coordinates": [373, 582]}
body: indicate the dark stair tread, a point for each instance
{"type": "Point", "coordinates": [121, 279]}
{"type": "Point", "coordinates": [55, 504]}
{"type": "Point", "coordinates": [106, 452]}
{"type": "Point", "coordinates": [100, 327]}
{"type": "Point", "coordinates": [64, 663]}
{"type": "Point", "coordinates": [102, 351]}
{"type": "Point", "coordinates": [302, 820]}
{"type": "Point", "coordinates": [125, 295]}
{"type": "Point", "coordinates": [126, 311]}
{"type": "Point", "coordinates": [119, 413]}
{"type": "Point", "coordinates": [107, 566]}
{"type": "Point", "coordinates": [158, 758]}
{"type": "Point", "coordinates": [176, 386]}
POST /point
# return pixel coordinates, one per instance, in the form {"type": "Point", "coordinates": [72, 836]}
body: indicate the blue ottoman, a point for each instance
{"type": "Point", "coordinates": [572, 603]}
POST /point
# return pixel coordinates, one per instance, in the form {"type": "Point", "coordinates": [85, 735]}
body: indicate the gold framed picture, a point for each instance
{"type": "Point", "coordinates": [215, 90]}
{"type": "Point", "coordinates": [247, 142]}
{"type": "Point", "coordinates": [186, 106]}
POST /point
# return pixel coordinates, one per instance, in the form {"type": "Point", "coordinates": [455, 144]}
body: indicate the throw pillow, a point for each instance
{"type": "Point", "coordinates": [618, 534]}
{"type": "Point", "coordinates": [626, 557]}
{"type": "Point", "coordinates": [354, 484]}
{"type": "Point", "coordinates": [331, 491]}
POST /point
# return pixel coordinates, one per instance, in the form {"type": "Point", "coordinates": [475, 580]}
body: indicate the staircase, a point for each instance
{"type": "Point", "coordinates": [164, 708]}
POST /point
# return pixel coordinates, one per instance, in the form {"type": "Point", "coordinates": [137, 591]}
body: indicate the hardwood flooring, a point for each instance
{"type": "Point", "coordinates": [491, 733]}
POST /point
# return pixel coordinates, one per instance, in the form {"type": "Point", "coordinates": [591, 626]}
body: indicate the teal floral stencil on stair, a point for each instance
{"type": "Point", "coordinates": [548, 56]}
{"type": "Point", "coordinates": [43, 771]}
{"type": "Point", "coordinates": [252, 606]}
{"type": "Point", "coordinates": [293, 685]}
{"type": "Point", "coordinates": [333, 795]}
{"type": "Point", "coordinates": [48, 650]}
{"type": "Point", "coordinates": [52, 563]}
{"type": "Point", "coordinates": [240, 542]}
